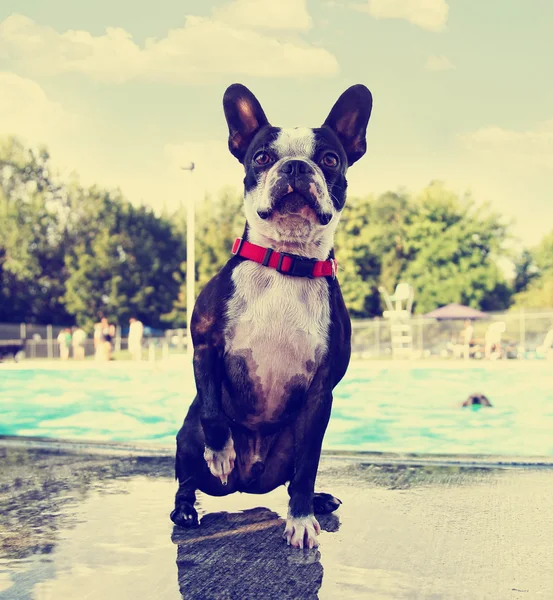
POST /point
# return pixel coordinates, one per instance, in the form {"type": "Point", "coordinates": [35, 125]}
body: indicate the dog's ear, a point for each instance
{"type": "Point", "coordinates": [349, 118]}
{"type": "Point", "coordinates": [245, 118]}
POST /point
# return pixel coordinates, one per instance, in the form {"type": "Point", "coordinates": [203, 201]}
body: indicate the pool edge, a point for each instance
{"type": "Point", "coordinates": [367, 457]}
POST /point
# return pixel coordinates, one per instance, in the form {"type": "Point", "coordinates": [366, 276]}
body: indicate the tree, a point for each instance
{"type": "Point", "coordinates": [543, 255]}
{"type": "Point", "coordinates": [526, 271]}
{"type": "Point", "coordinates": [359, 262]}
{"type": "Point", "coordinates": [124, 261]}
{"type": "Point", "coordinates": [219, 221]}
{"type": "Point", "coordinates": [538, 295]}
{"type": "Point", "coordinates": [32, 237]}
{"type": "Point", "coordinates": [69, 253]}
{"type": "Point", "coordinates": [443, 245]}
{"type": "Point", "coordinates": [454, 247]}
{"type": "Point", "coordinates": [538, 262]}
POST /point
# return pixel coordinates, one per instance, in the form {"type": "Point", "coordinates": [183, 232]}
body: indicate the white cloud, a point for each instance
{"type": "Point", "coordinates": [164, 184]}
{"type": "Point", "coordinates": [521, 149]}
{"type": "Point", "coordinates": [428, 14]}
{"type": "Point", "coordinates": [266, 14]}
{"type": "Point", "coordinates": [201, 51]}
{"type": "Point", "coordinates": [439, 63]}
{"type": "Point", "coordinates": [26, 111]}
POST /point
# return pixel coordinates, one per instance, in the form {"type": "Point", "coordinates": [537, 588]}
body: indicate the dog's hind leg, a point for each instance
{"type": "Point", "coordinates": [184, 514]}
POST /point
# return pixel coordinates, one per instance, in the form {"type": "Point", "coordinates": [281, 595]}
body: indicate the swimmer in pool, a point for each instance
{"type": "Point", "coordinates": [477, 399]}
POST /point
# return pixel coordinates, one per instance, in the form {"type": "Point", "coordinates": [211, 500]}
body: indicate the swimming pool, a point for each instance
{"type": "Point", "coordinates": [378, 406]}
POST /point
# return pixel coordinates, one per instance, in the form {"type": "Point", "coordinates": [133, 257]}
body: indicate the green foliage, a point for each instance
{"type": "Point", "coordinates": [537, 291]}
{"type": "Point", "coordinates": [359, 266]}
{"type": "Point", "coordinates": [538, 295]}
{"type": "Point", "coordinates": [543, 255]}
{"type": "Point", "coordinates": [31, 237]}
{"type": "Point", "coordinates": [525, 271]}
{"type": "Point", "coordinates": [219, 221]}
{"type": "Point", "coordinates": [443, 245]}
{"type": "Point", "coordinates": [123, 262]}
{"type": "Point", "coordinates": [68, 254]}
{"type": "Point", "coordinates": [453, 248]}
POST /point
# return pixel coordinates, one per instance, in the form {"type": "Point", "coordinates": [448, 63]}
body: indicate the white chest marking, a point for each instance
{"type": "Point", "coordinates": [280, 326]}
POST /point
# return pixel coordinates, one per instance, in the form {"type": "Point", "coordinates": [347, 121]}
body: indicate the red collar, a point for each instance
{"type": "Point", "coordinates": [284, 262]}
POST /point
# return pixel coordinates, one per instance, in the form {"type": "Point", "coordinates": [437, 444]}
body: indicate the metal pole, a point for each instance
{"type": "Point", "coordinates": [49, 349]}
{"type": "Point", "coordinates": [522, 332]}
{"type": "Point", "coordinates": [190, 262]}
{"type": "Point", "coordinates": [118, 338]}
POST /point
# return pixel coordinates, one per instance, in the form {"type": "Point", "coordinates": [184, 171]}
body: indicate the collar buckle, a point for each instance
{"type": "Point", "coordinates": [299, 265]}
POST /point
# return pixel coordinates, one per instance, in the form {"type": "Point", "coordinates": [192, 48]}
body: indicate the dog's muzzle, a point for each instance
{"type": "Point", "coordinates": [295, 192]}
{"type": "Point", "coordinates": [296, 203]}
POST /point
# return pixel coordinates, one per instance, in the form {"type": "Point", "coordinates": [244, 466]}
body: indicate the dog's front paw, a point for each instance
{"type": "Point", "coordinates": [221, 462]}
{"type": "Point", "coordinates": [302, 532]}
{"type": "Point", "coordinates": [184, 515]}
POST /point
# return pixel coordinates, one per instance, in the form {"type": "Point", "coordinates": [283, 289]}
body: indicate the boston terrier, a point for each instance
{"type": "Point", "coordinates": [271, 332]}
{"type": "Point", "coordinates": [477, 400]}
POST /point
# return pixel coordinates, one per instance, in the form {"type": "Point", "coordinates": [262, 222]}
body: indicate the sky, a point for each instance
{"type": "Point", "coordinates": [124, 96]}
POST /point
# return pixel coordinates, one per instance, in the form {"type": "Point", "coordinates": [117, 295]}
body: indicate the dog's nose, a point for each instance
{"type": "Point", "coordinates": [295, 167]}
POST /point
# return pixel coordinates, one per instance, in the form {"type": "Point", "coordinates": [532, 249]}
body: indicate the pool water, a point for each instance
{"type": "Point", "coordinates": [408, 408]}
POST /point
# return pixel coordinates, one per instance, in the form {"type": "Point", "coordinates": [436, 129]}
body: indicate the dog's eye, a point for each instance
{"type": "Point", "coordinates": [262, 158]}
{"type": "Point", "coordinates": [330, 160]}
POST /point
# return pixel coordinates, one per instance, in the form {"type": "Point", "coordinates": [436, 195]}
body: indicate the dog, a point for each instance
{"type": "Point", "coordinates": [271, 332]}
{"type": "Point", "coordinates": [476, 399]}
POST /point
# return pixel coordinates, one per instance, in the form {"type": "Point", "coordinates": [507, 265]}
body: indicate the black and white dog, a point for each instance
{"type": "Point", "coordinates": [271, 332]}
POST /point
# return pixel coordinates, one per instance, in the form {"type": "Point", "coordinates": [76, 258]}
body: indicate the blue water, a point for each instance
{"type": "Point", "coordinates": [376, 408]}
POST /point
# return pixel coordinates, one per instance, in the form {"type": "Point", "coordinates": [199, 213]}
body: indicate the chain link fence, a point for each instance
{"type": "Point", "coordinates": [524, 333]}
{"type": "Point", "coordinates": [31, 341]}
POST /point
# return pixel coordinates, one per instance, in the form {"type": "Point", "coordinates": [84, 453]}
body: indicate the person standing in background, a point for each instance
{"type": "Point", "coordinates": [136, 333]}
{"type": "Point", "coordinates": [466, 337]}
{"type": "Point", "coordinates": [98, 343]}
{"type": "Point", "coordinates": [64, 340]}
{"type": "Point", "coordinates": [103, 336]}
{"type": "Point", "coordinates": [108, 333]}
{"type": "Point", "coordinates": [546, 349]}
{"type": "Point", "coordinates": [79, 336]}
{"type": "Point", "coordinates": [493, 349]}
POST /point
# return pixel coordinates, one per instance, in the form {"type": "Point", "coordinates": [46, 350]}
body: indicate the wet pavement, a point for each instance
{"type": "Point", "coordinates": [91, 522]}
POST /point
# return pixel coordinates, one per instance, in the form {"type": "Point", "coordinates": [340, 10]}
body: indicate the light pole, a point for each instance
{"type": "Point", "coordinates": [190, 260]}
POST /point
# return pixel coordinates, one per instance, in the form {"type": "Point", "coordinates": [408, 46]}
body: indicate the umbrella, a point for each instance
{"type": "Point", "coordinates": [455, 312]}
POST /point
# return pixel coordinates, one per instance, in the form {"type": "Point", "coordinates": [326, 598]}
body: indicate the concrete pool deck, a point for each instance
{"type": "Point", "coordinates": [91, 522]}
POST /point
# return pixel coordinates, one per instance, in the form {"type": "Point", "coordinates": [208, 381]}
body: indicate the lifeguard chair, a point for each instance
{"type": "Point", "coordinates": [399, 309]}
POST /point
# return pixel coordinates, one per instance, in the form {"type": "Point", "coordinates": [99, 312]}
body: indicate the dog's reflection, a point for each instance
{"type": "Point", "coordinates": [242, 555]}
